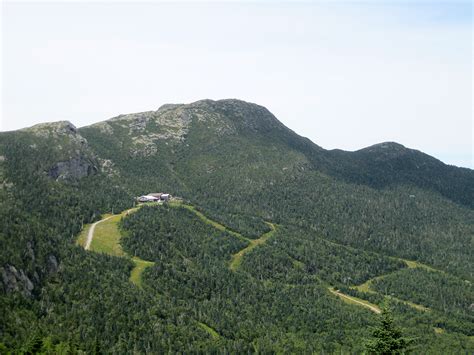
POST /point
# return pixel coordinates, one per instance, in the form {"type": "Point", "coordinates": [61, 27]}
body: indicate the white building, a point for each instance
{"type": "Point", "coordinates": [148, 198]}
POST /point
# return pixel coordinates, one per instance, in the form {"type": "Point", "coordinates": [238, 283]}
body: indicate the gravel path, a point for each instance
{"type": "Point", "coordinates": [90, 234]}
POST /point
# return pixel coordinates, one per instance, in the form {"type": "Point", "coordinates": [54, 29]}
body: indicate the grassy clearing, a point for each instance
{"type": "Point", "coordinates": [136, 273]}
{"type": "Point", "coordinates": [214, 335]}
{"type": "Point", "coordinates": [236, 260]}
{"type": "Point", "coordinates": [416, 264]}
{"type": "Point", "coordinates": [82, 238]}
{"type": "Point", "coordinates": [107, 237]}
{"type": "Point", "coordinates": [366, 286]}
{"type": "Point", "coordinates": [438, 330]}
{"type": "Point", "coordinates": [297, 264]}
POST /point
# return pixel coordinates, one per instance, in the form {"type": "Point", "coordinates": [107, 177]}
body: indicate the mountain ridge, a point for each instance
{"type": "Point", "coordinates": [380, 165]}
{"type": "Point", "coordinates": [389, 145]}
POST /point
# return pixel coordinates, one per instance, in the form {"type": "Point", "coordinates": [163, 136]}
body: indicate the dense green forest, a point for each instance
{"type": "Point", "coordinates": [432, 289]}
{"type": "Point", "coordinates": [341, 219]}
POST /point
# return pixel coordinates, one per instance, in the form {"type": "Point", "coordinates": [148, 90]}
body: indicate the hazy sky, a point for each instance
{"type": "Point", "coordinates": [344, 74]}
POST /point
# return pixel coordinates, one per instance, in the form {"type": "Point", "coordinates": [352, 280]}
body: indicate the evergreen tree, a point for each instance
{"type": "Point", "coordinates": [387, 338]}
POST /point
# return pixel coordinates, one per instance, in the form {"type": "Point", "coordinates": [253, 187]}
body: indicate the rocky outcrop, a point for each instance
{"type": "Point", "coordinates": [57, 129]}
{"type": "Point", "coordinates": [72, 169]}
{"type": "Point", "coordinates": [14, 280]}
{"type": "Point", "coordinates": [53, 264]}
{"type": "Point", "coordinates": [74, 160]}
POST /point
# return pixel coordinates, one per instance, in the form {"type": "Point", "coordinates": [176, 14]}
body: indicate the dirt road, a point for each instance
{"type": "Point", "coordinates": [373, 308]}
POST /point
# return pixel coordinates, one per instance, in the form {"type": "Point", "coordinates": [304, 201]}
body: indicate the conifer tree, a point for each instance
{"type": "Point", "coordinates": [387, 338]}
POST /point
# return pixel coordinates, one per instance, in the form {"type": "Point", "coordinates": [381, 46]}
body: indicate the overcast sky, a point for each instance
{"type": "Point", "coordinates": [344, 74]}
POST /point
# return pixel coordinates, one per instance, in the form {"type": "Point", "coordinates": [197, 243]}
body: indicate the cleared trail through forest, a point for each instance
{"type": "Point", "coordinates": [211, 222]}
{"type": "Point", "coordinates": [252, 243]}
{"type": "Point", "coordinates": [111, 240]}
{"type": "Point", "coordinates": [108, 242]}
{"type": "Point", "coordinates": [114, 248]}
{"type": "Point", "coordinates": [236, 261]}
{"type": "Point", "coordinates": [237, 257]}
{"type": "Point", "coordinates": [355, 300]}
{"type": "Point", "coordinates": [366, 287]}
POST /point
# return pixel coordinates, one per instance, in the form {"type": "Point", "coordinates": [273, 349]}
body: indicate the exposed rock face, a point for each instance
{"type": "Point", "coordinates": [53, 264]}
{"type": "Point", "coordinates": [108, 167]}
{"type": "Point", "coordinates": [16, 281]}
{"type": "Point", "coordinates": [76, 161]}
{"type": "Point", "coordinates": [72, 169]}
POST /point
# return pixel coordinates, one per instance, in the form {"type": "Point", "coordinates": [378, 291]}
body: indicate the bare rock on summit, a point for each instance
{"type": "Point", "coordinates": [57, 130]}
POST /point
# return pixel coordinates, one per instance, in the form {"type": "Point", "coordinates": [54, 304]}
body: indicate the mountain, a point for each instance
{"type": "Point", "coordinates": [390, 163]}
{"type": "Point", "coordinates": [387, 215]}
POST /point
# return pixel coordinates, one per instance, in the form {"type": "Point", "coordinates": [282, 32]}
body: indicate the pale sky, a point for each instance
{"type": "Point", "coordinates": [344, 74]}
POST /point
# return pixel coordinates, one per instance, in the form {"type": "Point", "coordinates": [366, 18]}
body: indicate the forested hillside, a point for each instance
{"type": "Point", "coordinates": [387, 215]}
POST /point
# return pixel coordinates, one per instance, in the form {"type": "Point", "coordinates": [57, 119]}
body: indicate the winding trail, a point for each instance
{"type": "Point", "coordinates": [211, 222]}
{"type": "Point", "coordinates": [112, 246]}
{"type": "Point", "coordinates": [236, 260]}
{"type": "Point", "coordinates": [253, 243]}
{"type": "Point", "coordinates": [367, 288]}
{"type": "Point", "coordinates": [109, 243]}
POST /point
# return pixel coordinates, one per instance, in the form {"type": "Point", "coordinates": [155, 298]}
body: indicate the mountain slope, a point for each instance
{"type": "Point", "coordinates": [388, 164]}
{"type": "Point", "coordinates": [240, 163]}
{"type": "Point", "coordinates": [343, 218]}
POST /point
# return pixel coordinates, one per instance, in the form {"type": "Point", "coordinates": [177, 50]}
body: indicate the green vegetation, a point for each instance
{"type": "Point", "coordinates": [107, 236]}
{"type": "Point", "coordinates": [431, 289]}
{"type": "Point", "coordinates": [388, 339]}
{"type": "Point", "coordinates": [367, 291]}
{"type": "Point", "coordinates": [293, 251]}
{"type": "Point", "coordinates": [237, 257]}
{"type": "Point", "coordinates": [214, 224]}
{"type": "Point", "coordinates": [82, 238]}
{"type": "Point", "coordinates": [192, 270]}
{"type": "Point", "coordinates": [414, 264]}
{"type": "Point", "coordinates": [355, 300]}
{"type": "Point", "coordinates": [343, 220]}
{"type": "Point", "coordinates": [252, 243]}
{"type": "Point", "coordinates": [208, 329]}
{"type": "Point", "coordinates": [137, 271]}
{"type": "Point", "coordinates": [106, 239]}
{"type": "Point", "coordinates": [367, 285]}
